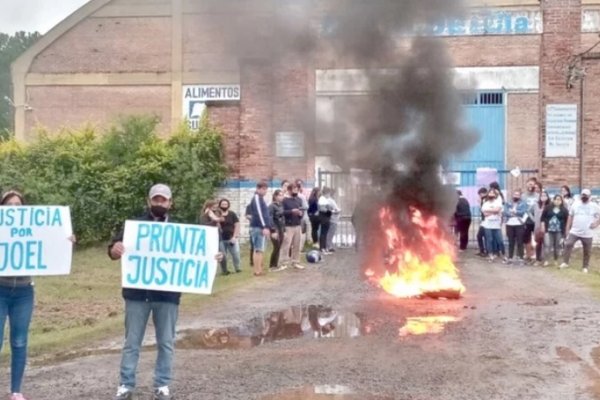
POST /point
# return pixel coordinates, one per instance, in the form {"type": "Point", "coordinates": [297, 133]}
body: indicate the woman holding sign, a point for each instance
{"type": "Point", "coordinates": [16, 304]}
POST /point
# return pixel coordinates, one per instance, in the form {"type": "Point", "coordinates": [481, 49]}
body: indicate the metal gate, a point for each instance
{"type": "Point", "coordinates": [348, 189]}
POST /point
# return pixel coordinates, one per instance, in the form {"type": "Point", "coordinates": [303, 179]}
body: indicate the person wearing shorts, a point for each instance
{"type": "Point", "coordinates": [260, 226]}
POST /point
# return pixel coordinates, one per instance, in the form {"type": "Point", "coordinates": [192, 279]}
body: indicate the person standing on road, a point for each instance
{"type": "Point", "coordinates": [462, 220]}
{"type": "Point", "coordinates": [554, 222]}
{"type": "Point", "coordinates": [305, 219]}
{"type": "Point", "coordinates": [277, 231]}
{"type": "Point", "coordinates": [293, 214]}
{"type": "Point", "coordinates": [16, 305]}
{"type": "Point", "coordinates": [260, 226]}
{"type": "Point", "coordinates": [483, 252]}
{"type": "Point", "coordinates": [515, 213]}
{"type": "Point", "coordinates": [535, 213]}
{"type": "Point", "coordinates": [584, 217]}
{"type": "Point", "coordinates": [326, 209]}
{"type": "Point", "coordinates": [492, 209]}
{"type": "Point", "coordinates": [333, 223]}
{"type": "Point", "coordinates": [313, 215]}
{"type": "Point", "coordinates": [230, 233]}
{"type": "Point", "coordinates": [530, 197]}
{"type": "Point", "coordinates": [139, 304]}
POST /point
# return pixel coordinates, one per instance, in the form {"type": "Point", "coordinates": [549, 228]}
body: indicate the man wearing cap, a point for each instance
{"type": "Point", "coordinates": [139, 303]}
{"type": "Point", "coordinates": [584, 217]}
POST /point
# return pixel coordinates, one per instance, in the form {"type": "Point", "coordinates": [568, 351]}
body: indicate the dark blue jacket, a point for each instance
{"type": "Point", "coordinates": [143, 294]}
{"type": "Point", "coordinates": [260, 213]}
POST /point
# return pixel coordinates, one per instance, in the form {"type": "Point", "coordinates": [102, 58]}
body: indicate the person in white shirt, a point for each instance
{"type": "Point", "coordinates": [584, 217]}
{"type": "Point", "coordinates": [492, 209]}
{"type": "Point", "coordinates": [335, 217]}
{"type": "Point", "coordinates": [326, 208]}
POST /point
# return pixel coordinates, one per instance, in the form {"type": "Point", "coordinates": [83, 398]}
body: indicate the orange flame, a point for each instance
{"type": "Point", "coordinates": [421, 265]}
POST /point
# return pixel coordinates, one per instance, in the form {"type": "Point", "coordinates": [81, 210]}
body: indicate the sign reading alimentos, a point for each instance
{"type": "Point", "coordinates": [195, 98]}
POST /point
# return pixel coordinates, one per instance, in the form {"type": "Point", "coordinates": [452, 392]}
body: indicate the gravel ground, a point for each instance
{"type": "Point", "coordinates": [521, 333]}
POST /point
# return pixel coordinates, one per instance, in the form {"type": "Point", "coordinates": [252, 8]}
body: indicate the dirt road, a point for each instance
{"type": "Point", "coordinates": [520, 333]}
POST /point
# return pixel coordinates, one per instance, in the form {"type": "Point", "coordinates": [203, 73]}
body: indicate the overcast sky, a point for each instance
{"type": "Point", "coordinates": [34, 15]}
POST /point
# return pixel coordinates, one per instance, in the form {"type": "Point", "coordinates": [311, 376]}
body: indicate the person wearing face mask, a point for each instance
{"type": "Point", "coordinates": [492, 210]}
{"type": "Point", "coordinates": [530, 197]}
{"type": "Point", "coordinates": [554, 222]}
{"type": "Point", "coordinates": [535, 213]}
{"type": "Point", "coordinates": [140, 303]}
{"type": "Point", "coordinates": [584, 217]}
{"type": "Point", "coordinates": [514, 213]}
{"type": "Point", "coordinates": [230, 232]}
{"type": "Point", "coordinates": [293, 214]}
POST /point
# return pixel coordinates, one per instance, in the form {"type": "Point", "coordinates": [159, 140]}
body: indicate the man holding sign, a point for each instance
{"type": "Point", "coordinates": [159, 260]}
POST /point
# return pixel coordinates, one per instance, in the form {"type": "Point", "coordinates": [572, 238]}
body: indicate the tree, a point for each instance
{"type": "Point", "coordinates": [11, 47]}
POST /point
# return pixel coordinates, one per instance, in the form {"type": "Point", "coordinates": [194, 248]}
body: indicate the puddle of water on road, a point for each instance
{"type": "Point", "coordinates": [426, 325]}
{"type": "Point", "coordinates": [322, 392]}
{"type": "Point", "coordinates": [313, 321]}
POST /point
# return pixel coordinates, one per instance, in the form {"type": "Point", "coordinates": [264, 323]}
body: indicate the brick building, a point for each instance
{"type": "Point", "coordinates": [167, 57]}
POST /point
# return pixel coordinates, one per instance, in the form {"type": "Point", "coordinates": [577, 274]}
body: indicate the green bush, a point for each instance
{"type": "Point", "coordinates": [105, 178]}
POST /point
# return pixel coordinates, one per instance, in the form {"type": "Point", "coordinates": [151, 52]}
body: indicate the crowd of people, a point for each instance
{"type": "Point", "coordinates": [287, 221]}
{"type": "Point", "coordinates": [539, 227]}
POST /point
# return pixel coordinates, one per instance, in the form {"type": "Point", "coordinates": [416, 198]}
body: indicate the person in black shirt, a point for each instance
{"type": "Point", "coordinates": [278, 229]}
{"type": "Point", "coordinates": [230, 233]}
{"type": "Point", "coordinates": [482, 192]}
{"type": "Point", "coordinates": [293, 213]}
{"type": "Point", "coordinates": [462, 217]}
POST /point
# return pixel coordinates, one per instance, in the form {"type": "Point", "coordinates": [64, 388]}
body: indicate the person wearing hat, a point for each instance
{"type": "Point", "coordinates": [140, 303]}
{"type": "Point", "coordinates": [584, 217]}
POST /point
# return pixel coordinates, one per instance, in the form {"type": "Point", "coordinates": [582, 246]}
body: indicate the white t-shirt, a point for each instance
{"type": "Point", "coordinates": [584, 215]}
{"type": "Point", "coordinates": [493, 221]}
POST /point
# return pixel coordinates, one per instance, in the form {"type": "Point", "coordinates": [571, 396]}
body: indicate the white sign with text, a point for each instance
{"type": "Point", "coordinates": [35, 241]}
{"type": "Point", "coordinates": [561, 130]}
{"type": "Point", "coordinates": [169, 257]}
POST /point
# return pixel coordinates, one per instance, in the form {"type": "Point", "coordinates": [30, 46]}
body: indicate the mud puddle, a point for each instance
{"type": "Point", "coordinates": [322, 392]}
{"type": "Point", "coordinates": [313, 321]}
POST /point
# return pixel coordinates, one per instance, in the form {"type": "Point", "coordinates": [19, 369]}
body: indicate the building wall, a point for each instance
{"type": "Point", "coordinates": [134, 55]}
{"type": "Point", "coordinates": [522, 139]}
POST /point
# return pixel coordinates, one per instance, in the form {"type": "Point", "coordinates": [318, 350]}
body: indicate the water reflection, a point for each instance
{"type": "Point", "coordinates": [314, 321]}
{"type": "Point", "coordinates": [322, 392]}
{"type": "Point", "coordinates": [426, 325]}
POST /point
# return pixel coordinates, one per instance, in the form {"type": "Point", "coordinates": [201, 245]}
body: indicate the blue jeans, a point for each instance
{"type": "Point", "coordinates": [164, 316]}
{"type": "Point", "coordinates": [494, 241]}
{"type": "Point", "coordinates": [233, 247]}
{"type": "Point", "coordinates": [16, 303]}
{"type": "Point", "coordinates": [258, 239]}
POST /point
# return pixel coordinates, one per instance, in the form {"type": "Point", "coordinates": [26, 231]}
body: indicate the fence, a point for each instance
{"type": "Point", "coordinates": [349, 187]}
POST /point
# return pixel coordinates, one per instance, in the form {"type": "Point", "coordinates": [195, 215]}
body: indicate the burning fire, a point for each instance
{"type": "Point", "coordinates": [420, 263]}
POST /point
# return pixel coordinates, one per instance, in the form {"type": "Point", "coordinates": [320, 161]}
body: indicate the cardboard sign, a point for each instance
{"type": "Point", "coordinates": [169, 257]}
{"type": "Point", "coordinates": [35, 241]}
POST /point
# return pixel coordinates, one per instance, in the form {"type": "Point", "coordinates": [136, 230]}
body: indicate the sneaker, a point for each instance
{"type": "Point", "coordinates": [278, 269]}
{"type": "Point", "coordinates": [325, 252]}
{"type": "Point", "coordinates": [17, 396]}
{"type": "Point", "coordinates": [299, 266]}
{"type": "Point", "coordinates": [162, 393]}
{"type": "Point", "coordinates": [563, 266]}
{"type": "Point", "coordinates": [585, 270]}
{"type": "Point", "coordinates": [225, 273]}
{"type": "Point", "coordinates": [123, 393]}
{"type": "Point", "coordinates": [546, 263]}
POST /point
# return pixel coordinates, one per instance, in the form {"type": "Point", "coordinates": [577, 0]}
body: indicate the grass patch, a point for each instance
{"type": "Point", "coordinates": [73, 312]}
{"type": "Point", "coordinates": [591, 279]}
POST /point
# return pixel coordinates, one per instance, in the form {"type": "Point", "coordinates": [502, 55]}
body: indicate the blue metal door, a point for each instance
{"type": "Point", "coordinates": [484, 112]}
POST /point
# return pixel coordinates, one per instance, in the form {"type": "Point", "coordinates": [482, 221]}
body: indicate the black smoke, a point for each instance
{"type": "Point", "coordinates": [408, 124]}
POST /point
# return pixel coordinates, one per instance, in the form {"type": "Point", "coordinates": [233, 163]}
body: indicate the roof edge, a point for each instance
{"type": "Point", "coordinates": [24, 61]}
